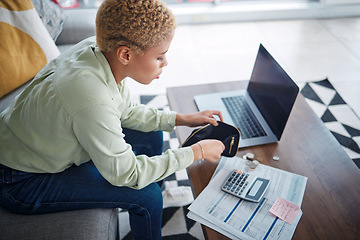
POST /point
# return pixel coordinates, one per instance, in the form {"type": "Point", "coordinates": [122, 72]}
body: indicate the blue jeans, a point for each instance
{"type": "Point", "coordinates": [83, 187]}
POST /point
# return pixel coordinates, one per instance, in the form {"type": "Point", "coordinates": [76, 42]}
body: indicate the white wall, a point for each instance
{"type": "Point", "coordinates": [332, 2]}
{"type": "Point", "coordinates": [262, 11]}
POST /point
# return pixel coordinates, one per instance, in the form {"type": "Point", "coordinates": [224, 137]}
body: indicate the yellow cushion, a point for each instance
{"type": "Point", "coordinates": [25, 44]}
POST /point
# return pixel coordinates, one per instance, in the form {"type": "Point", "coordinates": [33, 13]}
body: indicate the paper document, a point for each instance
{"type": "Point", "coordinates": [240, 219]}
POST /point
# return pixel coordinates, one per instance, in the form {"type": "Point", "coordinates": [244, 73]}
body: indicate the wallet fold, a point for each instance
{"type": "Point", "coordinates": [226, 133]}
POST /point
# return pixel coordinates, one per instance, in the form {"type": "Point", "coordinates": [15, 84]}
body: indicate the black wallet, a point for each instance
{"type": "Point", "coordinates": [226, 133]}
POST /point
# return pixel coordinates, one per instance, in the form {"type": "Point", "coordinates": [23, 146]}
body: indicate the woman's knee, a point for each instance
{"type": "Point", "coordinates": [148, 206]}
{"type": "Point", "coordinates": [153, 197]}
{"type": "Point", "coordinates": [148, 143]}
{"type": "Point", "coordinates": [158, 142]}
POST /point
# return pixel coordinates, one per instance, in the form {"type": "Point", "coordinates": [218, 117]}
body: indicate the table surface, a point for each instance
{"type": "Point", "coordinates": [331, 204]}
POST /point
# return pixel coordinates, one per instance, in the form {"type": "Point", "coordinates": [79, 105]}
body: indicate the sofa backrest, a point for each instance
{"type": "Point", "coordinates": [8, 98]}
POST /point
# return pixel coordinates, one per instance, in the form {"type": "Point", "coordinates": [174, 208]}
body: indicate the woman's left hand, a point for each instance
{"type": "Point", "coordinates": [198, 118]}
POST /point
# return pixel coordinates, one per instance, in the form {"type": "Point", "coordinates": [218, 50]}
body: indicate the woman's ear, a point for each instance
{"type": "Point", "coordinates": [123, 54]}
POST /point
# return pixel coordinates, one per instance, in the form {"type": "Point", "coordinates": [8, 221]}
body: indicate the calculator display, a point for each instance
{"type": "Point", "coordinates": [257, 190]}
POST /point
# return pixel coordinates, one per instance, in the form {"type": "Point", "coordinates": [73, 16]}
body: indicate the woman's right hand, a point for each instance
{"type": "Point", "coordinates": [209, 149]}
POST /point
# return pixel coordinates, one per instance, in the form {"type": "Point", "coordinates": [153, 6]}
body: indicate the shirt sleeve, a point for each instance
{"type": "Point", "coordinates": [99, 130]}
{"type": "Point", "coordinates": [146, 119]}
{"type": "Point", "coordinates": [142, 117]}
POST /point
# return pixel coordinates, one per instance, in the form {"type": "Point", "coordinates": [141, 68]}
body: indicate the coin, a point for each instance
{"type": "Point", "coordinates": [250, 156]}
{"type": "Point", "coordinates": [253, 164]}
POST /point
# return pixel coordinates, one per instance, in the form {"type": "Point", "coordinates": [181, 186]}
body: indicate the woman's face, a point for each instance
{"type": "Point", "coordinates": [146, 67]}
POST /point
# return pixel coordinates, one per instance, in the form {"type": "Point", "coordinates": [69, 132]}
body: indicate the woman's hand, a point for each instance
{"type": "Point", "coordinates": [198, 118]}
{"type": "Point", "coordinates": [209, 150]}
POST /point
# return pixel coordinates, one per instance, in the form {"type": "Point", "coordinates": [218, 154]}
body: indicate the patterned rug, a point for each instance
{"type": "Point", "coordinates": [323, 98]}
{"type": "Point", "coordinates": [337, 116]}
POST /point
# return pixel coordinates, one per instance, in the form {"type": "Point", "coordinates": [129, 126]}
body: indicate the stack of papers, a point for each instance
{"type": "Point", "coordinates": [240, 219]}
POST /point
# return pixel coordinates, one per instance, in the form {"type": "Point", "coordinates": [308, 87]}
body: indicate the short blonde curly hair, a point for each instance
{"type": "Point", "coordinates": [137, 24]}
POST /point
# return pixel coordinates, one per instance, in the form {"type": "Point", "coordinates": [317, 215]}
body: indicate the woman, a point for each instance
{"type": "Point", "coordinates": [74, 140]}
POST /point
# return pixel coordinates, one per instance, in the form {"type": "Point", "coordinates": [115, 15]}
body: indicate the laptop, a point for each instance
{"type": "Point", "coordinates": [262, 110]}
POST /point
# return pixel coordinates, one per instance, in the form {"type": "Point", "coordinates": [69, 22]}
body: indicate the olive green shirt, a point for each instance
{"type": "Point", "coordinates": [72, 112]}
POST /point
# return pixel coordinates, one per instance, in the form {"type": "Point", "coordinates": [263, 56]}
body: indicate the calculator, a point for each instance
{"type": "Point", "coordinates": [246, 186]}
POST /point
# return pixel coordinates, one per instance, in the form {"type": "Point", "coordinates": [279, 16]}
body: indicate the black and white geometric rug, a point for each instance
{"type": "Point", "coordinates": [326, 102]}
{"type": "Point", "coordinates": [337, 116]}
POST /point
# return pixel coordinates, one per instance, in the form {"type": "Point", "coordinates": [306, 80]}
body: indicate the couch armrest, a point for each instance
{"type": "Point", "coordinates": [78, 25]}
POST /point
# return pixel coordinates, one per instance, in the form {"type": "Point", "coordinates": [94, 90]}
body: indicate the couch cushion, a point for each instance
{"type": "Point", "coordinates": [79, 25]}
{"type": "Point", "coordinates": [8, 98]}
{"type": "Point", "coordinates": [25, 44]}
{"type": "Point", "coordinates": [90, 224]}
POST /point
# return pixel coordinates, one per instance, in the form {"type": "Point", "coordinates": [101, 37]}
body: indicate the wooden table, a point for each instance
{"type": "Point", "coordinates": [331, 205]}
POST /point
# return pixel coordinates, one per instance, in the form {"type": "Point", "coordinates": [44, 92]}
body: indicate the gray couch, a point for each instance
{"type": "Point", "coordinates": [96, 224]}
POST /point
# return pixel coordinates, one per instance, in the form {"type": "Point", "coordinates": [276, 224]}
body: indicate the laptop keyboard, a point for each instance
{"type": "Point", "coordinates": [243, 117]}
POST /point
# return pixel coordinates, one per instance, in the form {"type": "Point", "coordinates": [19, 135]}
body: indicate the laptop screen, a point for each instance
{"type": "Point", "coordinates": [272, 90]}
